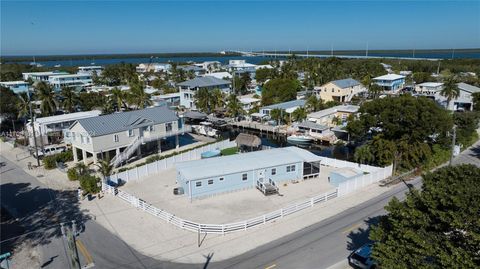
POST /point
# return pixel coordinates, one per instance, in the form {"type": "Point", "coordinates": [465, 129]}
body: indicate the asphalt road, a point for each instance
{"type": "Point", "coordinates": [321, 245]}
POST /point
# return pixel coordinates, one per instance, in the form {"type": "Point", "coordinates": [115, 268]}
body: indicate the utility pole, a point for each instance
{"type": "Point", "coordinates": [453, 143]}
{"type": "Point", "coordinates": [33, 128]}
{"type": "Point", "coordinates": [70, 236]}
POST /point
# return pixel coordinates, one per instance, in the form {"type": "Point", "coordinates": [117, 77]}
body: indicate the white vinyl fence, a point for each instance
{"type": "Point", "coordinates": [140, 172]}
{"type": "Point", "coordinates": [218, 228]}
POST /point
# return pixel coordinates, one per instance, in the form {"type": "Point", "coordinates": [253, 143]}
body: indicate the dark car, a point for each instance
{"type": "Point", "coordinates": [361, 258]}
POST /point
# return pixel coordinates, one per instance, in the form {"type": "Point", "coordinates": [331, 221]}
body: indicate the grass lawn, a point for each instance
{"type": "Point", "coordinates": [229, 151]}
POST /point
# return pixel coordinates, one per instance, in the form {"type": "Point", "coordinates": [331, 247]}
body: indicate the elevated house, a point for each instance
{"type": "Point", "coordinates": [333, 116]}
{"type": "Point", "coordinates": [238, 67]}
{"type": "Point", "coordinates": [76, 81]}
{"type": "Point", "coordinates": [97, 69]}
{"type": "Point", "coordinates": [464, 102]}
{"type": "Point", "coordinates": [288, 107]}
{"type": "Point", "coordinates": [429, 89]}
{"type": "Point", "coordinates": [188, 88]}
{"type": "Point", "coordinates": [42, 76]}
{"type": "Point", "coordinates": [390, 83]}
{"type": "Point", "coordinates": [51, 130]}
{"type": "Point", "coordinates": [339, 90]}
{"type": "Point", "coordinates": [118, 136]}
{"type": "Point", "coordinates": [16, 86]}
{"type": "Point", "coordinates": [263, 169]}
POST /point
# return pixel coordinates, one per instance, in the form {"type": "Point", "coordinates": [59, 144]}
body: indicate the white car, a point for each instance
{"type": "Point", "coordinates": [361, 257]}
{"type": "Point", "coordinates": [49, 150]}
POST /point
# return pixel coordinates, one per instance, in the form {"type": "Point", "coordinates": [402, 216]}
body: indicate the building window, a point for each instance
{"type": "Point", "coordinates": [274, 171]}
{"type": "Point", "coordinates": [131, 132]}
{"type": "Point", "coordinates": [210, 181]}
{"type": "Point", "coordinates": [168, 126]}
{"type": "Point", "coordinates": [290, 168]}
{"type": "Point", "coordinates": [198, 184]}
{"type": "Point", "coordinates": [333, 90]}
{"type": "Point", "coordinates": [115, 138]}
{"type": "Point", "coordinates": [221, 179]}
{"type": "Point", "coordinates": [244, 177]}
{"type": "Point", "coordinates": [88, 139]}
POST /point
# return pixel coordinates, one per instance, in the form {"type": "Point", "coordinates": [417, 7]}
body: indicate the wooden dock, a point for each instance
{"type": "Point", "coordinates": [262, 128]}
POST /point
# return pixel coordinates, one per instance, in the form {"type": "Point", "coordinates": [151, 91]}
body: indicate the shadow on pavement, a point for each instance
{"type": "Point", "coordinates": [359, 237]}
{"type": "Point", "coordinates": [476, 152]}
{"type": "Point", "coordinates": [36, 214]}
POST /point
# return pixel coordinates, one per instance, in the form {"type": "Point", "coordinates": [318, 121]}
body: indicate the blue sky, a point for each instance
{"type": "Point", "coordinates": [78, 27]}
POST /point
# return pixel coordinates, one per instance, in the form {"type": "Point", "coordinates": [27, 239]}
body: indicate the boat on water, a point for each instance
{"type": "Point", "coordinates": [57, 65]}
{"type": "Point", "coordinates": [205, 128]}
{"type": "Point", "coordinates": [300, 139]}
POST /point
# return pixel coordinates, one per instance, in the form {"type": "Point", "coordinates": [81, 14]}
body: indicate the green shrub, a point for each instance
{"type": "Point", "coordinates": [50, 162]}
{"type": "Point", "coordinates": [89, 184]}
{"type": "Point", "coordinates": [64, 157]}
{"type": "Point", "coordinates": [72, 174]}
{"type": "Point", "coordinates": [229, 151]}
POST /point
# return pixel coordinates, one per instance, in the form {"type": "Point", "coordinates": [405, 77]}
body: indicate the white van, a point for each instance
{"type": "Point", "coordinates": [49, 150]}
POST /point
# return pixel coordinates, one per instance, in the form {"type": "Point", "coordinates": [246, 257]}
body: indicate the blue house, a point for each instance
{"type": "Point", "coordinates": [16, 86]}
{"type": "Point", "coordinates": [390, 82]}
{"type": "Point", "coordinates": [212, 176]}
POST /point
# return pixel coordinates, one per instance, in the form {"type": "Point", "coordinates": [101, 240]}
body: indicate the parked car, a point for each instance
{"type": "Point", "coordinates": [361, 258]}
{"type": "Point", "coordinates": [49, 150]}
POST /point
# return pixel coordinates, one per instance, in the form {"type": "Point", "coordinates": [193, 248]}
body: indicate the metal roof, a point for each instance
{"type": "Point", "coordinates": [389, 77]}
{"type": "Point", "coordinates": [220, 166]}
{"type": "Point", "coordinates": [430, 84]}
{"type": "Point", "coordinates": [345, 83]}
{"type": "Point", "coordinates": [204, 82]}
{"type": "Point", "coordinates": [467, 87]}
{"type": "Point", "coordinates": [332, 110]}
{"type": "Point", "coordinates": [286, 105]}
{"type": "Point", "coordinates": [118, 122]}
{"type": "Point", "coordinates": [68, 117]}
{"type": "Point", "coordinates": [312, 125]}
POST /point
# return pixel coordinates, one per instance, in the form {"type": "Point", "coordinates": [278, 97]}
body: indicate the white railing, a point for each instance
{"type": "Point", "coordinates": [140, 172]}
{"type": "Point", "coordinates": [218, 228]}
{"type": "Point", "coordinates": [130, 149]}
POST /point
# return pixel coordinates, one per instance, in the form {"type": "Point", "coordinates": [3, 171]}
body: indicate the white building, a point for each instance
{"type": "Point", "coordinates": [50, 130]}
{"type": "Point", "coordinates": [391, 83]}
{"type": "Point", "coordinates": [16, 86]}
{"type": "Point", "coordinates": [77, 81]}
{"type": "Point", "coordinates": [42, 76]}
{"type": "Point", "coordinates": [154, 67]}
{"type": "Point", "coordinates": [463, 102]}
{"type": "Point", "coordinates": [332, 116]}
{"type": "Point", "coordinates": [90, 70]}
{"type": "Point", "coordinates": [190, 87]}
{"type": "Point", "coordinates": [249, 102]}
{"type": "Point", "coordinates": [209, 66]}
{"type": "Point", "coordinates": [219, 75]}
{"type": "Point", "coordinates": [239, 67]}
{"type": "Point", "coordinates": [429, 88]}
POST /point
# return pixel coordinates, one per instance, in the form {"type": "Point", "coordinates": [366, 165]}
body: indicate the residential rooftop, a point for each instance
{"type": "Point", "coordinates": [68, 117]}
{"type": "Point", "coordinates": [19, 82]}
{"type": "Point", "coordinates": [286, 105]}
{"type": "Point", "coordinates": [335, 109]}
{"type": "Point", "coordinates": [204, 82]}
{"type": "Point", "coordinates": [313, 126]}
{"type": "Point", "coordinates": [122, 121]}
{"type": "Point", "coordinates": [467, 87]}
{"type": "Point", "coordinates": [389, 77]}
{"type": "Point", "coordinates": [220, 166]}
{"type": "Point", "coordinates": [346, 83]}
{"type": "Point", "coordinates": [431, 84]}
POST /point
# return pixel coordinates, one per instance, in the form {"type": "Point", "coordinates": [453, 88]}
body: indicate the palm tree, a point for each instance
{"type": "Point", "coordinates": [375, 90]}
{"type": "Point", "coordinates": [70, 99]}
{"type": "Point", "coordinates": [23, 105]}
{"type": "Point", "coordinates": [138, 97]}
{"type": "Point", "coordinates": [46, 95]}
{"type": "Point", "coordinates": [234, 107]}
{"type": "Point", "coordinates": [118, 97]}
{"type": "Point", "coordinates": [105, 168]}
{"type": "Point", "coordinates": [299, 114]}
{"type": "Point", "coordinates": [278, 115]}
{"type": "Point", "coordinates": [202, 100]}
{"type": "Point", "coordinates": [313, 103]}
{"type": "Point", "coordinates": [364, 155]}
{"type": "Point", "coordinates": [216, 99]}
{"type": "Point", "coordinates": [450, 90]}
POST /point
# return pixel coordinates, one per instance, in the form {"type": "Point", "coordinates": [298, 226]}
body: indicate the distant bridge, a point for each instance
{"type": "Point", "coordinates": [275, 54]}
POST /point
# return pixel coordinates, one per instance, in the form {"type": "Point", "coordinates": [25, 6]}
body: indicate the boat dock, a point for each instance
{"type": "Point", "coordinates": [262, 128]}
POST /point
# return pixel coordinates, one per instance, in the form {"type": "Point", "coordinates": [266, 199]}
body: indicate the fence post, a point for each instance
{"type": "Point", "coordinates": [223, 229]}
{"type": "Point", "coordinates": [326, 197]}
{"type": "Point", "coordinates": [311, 202]}
{"type": "Point", "coordinates": [281, 212]}
{"type": "Point", "coordinates": [245, 226]}
{"type": "Point", "coordinates": [264, 219]}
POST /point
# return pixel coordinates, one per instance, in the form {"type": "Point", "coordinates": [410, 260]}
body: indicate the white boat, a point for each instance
{"type": "Point", "coordinates": [57, 65]}
{"type": "Point", "coordinates": [300, 139]}
{"type": "Point", "coordinates": [205, 128]}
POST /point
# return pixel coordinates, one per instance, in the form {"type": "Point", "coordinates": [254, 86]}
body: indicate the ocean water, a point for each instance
{"type": "Point", "coordinates": [90, 60]}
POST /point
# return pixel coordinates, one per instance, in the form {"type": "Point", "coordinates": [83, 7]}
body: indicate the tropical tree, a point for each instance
{"type": "Point", "coordinates": [234, 107]}
{"type": "Point", "coordinates": [313, 104]}
{"type": "Point", "coordinates": [105, 168]}
{"type": "Point", "coordinates": [70, 99]}
{"type": "Point", "coordinates": [375, 90]}
{"type": "Point", "coordinates": [437, 227]}
{"type": "Point", "coordinates": [118, 97]}
{"type": "Point", "coordinates": [299, 114]}
{"type": "Point", "coordinates": [280, 90]}
{"type": "Point", "coordinates": [137, 96]}
{"type": "Point", "coordinates": [450, 90]}
{"type": "Point", "coordinates": [23, 105]}
{"type": "Point", "coordinates": [278, 115]}
{"type": "Point", "coordinates": [202, 100]}
{"type": "Point", "coordinates": [216, 99]}
{"type": "Point", "coordinates": [363, 154]}
{"type": "Point", "coordinates": [46, 95]}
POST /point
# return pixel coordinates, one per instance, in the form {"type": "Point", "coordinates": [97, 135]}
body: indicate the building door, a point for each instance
{"type": "Point", "coordinates": [140, 131]}
{"type": "Point", "coordinates": [261, 175]}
